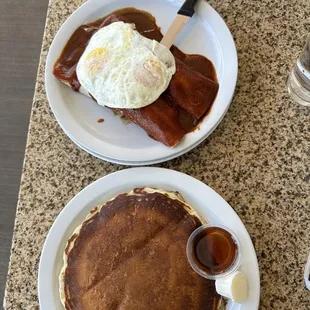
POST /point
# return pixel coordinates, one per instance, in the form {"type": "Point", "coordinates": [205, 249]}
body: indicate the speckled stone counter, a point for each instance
{"type": "Point", "coordinates": [258, 159]}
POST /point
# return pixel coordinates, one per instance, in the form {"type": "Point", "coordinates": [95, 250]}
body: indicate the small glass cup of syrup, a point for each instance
{"type": "Point", "coordinates": [213, 251]}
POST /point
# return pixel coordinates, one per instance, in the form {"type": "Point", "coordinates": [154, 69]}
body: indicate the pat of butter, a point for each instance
{"type": "Point", "coordinates": [234, 286]}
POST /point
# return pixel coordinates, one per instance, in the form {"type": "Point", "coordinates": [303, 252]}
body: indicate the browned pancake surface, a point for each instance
{"type": "Point", "coordinates": [132, 255]}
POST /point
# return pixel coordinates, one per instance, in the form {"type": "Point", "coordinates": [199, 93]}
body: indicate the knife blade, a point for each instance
{"type": "Point", "coordinates": [186, 11]}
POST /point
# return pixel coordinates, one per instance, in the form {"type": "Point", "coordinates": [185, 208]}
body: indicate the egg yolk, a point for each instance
{"type": "Point", "coordinates": [149, 74]}
{"type": "Point", "coordinates": [96, 59]}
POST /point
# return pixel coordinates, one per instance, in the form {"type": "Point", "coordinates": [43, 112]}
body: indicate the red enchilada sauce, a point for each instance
{"type": "Point", "coordinates": [190, 66]}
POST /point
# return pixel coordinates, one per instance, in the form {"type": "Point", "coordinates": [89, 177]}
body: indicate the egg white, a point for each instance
{"type": "Point", "coordinates": [122, 69]}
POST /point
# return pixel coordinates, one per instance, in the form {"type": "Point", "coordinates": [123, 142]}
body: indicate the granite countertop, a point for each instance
{"type": "Point", "coordinates": [258, 159]}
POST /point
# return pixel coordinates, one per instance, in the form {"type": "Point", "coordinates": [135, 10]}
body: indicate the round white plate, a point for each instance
{"type": "Point", "coordinates": [207, 203]}
{"type": "Point", "coordinates": [120, 162]}
{"type": "Point", "coordinates": [206, 33]}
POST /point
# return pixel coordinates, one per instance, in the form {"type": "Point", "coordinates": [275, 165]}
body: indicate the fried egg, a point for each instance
{"type": "Point", "coordinates": [122, 69]}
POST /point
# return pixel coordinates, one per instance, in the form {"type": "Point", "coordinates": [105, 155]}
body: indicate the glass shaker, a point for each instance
{"type": "Point", "coordinates": [298, 82]}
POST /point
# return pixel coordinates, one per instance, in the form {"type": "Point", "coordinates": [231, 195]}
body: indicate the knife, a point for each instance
{"type": "Point", "coordinates": [186, 11]}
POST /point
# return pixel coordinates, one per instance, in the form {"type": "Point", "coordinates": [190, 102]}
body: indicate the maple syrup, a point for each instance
{"type": "Point", "coordinates": [213, 250]}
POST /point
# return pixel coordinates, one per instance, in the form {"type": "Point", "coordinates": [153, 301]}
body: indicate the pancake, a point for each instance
{"type": "Point", "coordinates": [130, 253]}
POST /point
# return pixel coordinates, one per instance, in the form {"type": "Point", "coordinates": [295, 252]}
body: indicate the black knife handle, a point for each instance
{"type": "Point", "coordinates": [187, 8]}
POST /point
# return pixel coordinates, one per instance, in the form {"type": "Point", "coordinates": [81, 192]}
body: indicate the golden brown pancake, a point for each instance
{"type": "Point", "coordinates": [130, 253]}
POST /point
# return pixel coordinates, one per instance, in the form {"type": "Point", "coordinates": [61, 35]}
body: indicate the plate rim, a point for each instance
{"type": "Point", "coordinates": [87, 195]}
{"type": "Point", "coordinates": [89, 142]}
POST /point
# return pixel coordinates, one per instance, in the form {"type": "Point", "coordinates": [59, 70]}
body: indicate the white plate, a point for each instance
{"type": "Point", "coordinates": [206, 34]}
{"type": "Point", "coordinates": [207, 202]}
{"type": "Point", "coordinates": [112, 160]}
{"type": "Point", "coordinates": [120, 162]}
